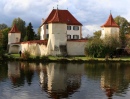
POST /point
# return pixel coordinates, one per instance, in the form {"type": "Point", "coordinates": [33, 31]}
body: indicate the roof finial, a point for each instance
{"type": "Point", "coordinates": [110, 11]}
{"type": "Point", "coordinates": [57, 6]}
{"type": "Point", "coordinates": [53, 7]}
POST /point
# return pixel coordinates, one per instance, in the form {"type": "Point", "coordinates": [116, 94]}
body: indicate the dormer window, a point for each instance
{"type": "Point", "coordinates": [75, 27]}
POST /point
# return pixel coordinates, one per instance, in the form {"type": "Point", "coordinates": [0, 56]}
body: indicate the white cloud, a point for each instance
{"type": "Point", "coordinates": [16, 6]}
{"type": "Point", "coordinates": [88, 30]}
{"type": "Point", "coordinates": [91, 13]}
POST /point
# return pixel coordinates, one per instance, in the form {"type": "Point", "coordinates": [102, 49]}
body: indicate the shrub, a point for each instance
{"type": "Point", "coordinates": [100, 48]}
{"type": "Point", "coordinates": [44, 57]}
{"type": "Point", "coordinates": [1, 51]}
{"type": "Point", "coordinates": [95, 48]}
{"type": "Point", "coordinates": [26, 54]}
{"type": "Point", "coordinates": [37, 57]}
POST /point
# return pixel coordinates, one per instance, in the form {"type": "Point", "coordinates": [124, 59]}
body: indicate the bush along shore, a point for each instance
{"type": "Point", "coordinates": [17, 57]}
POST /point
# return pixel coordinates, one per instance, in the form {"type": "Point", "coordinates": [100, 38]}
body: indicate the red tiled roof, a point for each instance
{"type": "Point", "coordinates": [110, 22]}
{"type": "Point", "coordinates": [14, 29]}
{"type": "Point", "coordinates": [61, 16]}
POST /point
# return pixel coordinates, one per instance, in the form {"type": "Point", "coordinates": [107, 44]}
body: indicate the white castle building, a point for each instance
{"type": "Point", "coordinates": [61, 34]}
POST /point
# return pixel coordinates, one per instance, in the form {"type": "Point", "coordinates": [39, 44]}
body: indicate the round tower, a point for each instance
{"type": "Point", "coordinates": [110, 29]}
{"type": "Point", "coordinates": [14, 35]}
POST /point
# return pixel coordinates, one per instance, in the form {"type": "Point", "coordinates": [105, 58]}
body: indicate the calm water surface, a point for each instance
{"type": "Point", "coordinates": [22, 80]}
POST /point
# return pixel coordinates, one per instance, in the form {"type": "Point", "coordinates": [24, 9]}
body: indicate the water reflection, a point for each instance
{"type": "Point", "coordinates": [115, 77]}
{"type": "Point", "coordinates": [60, 80]}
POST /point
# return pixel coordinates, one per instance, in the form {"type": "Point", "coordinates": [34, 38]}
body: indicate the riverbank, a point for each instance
{"type": "Point", "coordinates": [16, 57]}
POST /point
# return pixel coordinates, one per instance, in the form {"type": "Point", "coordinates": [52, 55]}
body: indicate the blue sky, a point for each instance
{"type": "Point", "coordinates": [91, 13]}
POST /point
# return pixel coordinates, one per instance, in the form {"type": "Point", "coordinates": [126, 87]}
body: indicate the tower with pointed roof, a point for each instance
{"type": "Point", "coordinates": [59, 27]}
{"type": "Point", "coordinates": [73, 28]}
{"type": "Point", "coordinates": [14, 35]}
{"type": "Point", "coordinates": [110, 29]}
{"type": "Point", "coordinates": [57, 34]}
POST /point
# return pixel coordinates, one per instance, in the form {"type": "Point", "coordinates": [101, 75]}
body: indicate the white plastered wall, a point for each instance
{"type": "Point", "coordinates": [14, 48]}
{"type": "Point", "coordinates": [75, 48]}
{"type": "Point", "coordinates": [43, 32]}
{"type": "Point", "coordinates": [34, 49]}
{"type": "Point", "coordinates": [109, 31]}
{"type": "Point", "coordinates": [14, 37]}
{"type": "Point", "coordinates": [57, 37]}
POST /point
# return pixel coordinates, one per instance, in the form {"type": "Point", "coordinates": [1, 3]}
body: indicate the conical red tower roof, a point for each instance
{"type": "Point", "coordinates": [110, 22]}
{"type": "Point", "coordinates": [14, 29]}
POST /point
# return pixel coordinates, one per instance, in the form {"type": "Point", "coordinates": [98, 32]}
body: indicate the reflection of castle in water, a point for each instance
{"type": "Point", "coordinates": [13, 71]}
{"type": "Point", "coordinates": [115, 79]}
{"type": "Point", "coordinates": [18, 72]}
{"type": "Point", "coordinates": [60, 80]}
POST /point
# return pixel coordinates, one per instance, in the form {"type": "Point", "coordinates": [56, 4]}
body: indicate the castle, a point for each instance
{"type": "Point", "coordinates": [61, 35]}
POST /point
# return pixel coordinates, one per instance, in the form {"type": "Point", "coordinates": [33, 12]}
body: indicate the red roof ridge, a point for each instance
{"type": "Point", "coordinates": [14, 29]}
{"type": "Point", "coordinates": [56, 18]}
{"type": "Point", "coordinates": [61, 16]}
{"type": "Point", "coordinates": [110, 22]}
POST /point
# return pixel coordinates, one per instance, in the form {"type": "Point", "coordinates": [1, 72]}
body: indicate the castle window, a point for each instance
{"type": "Point", "coordinates": [17, 39]}
{"type": "Point", "coordinates": [47, 26]}
{"type": "Point", "coordinates": [75, 36]}
{"type": "Point", "coordinates": [47, 36]}
{"type": "Point", "coordinates": [68, 36]}
{"type": "Point", "coordinates": [75, 27]}
{"type": "Point", "coordinates": [68, 27]}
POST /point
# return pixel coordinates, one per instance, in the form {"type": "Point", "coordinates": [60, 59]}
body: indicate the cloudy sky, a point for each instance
{"type": "Point", "coordinates": [91, 13]}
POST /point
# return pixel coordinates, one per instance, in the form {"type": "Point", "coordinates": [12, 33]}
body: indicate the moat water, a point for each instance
{"type": "Point", "coordinates": [23, 80]}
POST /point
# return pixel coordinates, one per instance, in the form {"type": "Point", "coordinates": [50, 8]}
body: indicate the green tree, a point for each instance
{"type": "Point", "coordinates": [94, 48]}
{"type": "Point", "coordinates": [29, 32]}
{"type": "Point", "coordinates": [37, 36]}
{"type": "Point", "coordinates": [5, 38]}
{"type": "Point", "coordinates": [124, 28]}
{"type": "Point", "coordinates": [100, 48]}
{"type": "Point", "coordinates": [97, 34]}
{"type": "Point", "coordinates": [21, 26]}
{"type": "Point", "coordinates": [25, 38]}
{"type": "Point", "coordinates": [3, 26]}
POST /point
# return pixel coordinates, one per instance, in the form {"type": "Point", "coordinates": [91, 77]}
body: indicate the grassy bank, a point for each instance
{"type": "Point", "coordinates": [65, 59]}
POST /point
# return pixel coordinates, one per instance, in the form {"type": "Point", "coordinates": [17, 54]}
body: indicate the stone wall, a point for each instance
{"type": "Point", "coordinates": [76, 47]}
{"type": "Point", "coordinates": [34, 48]}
